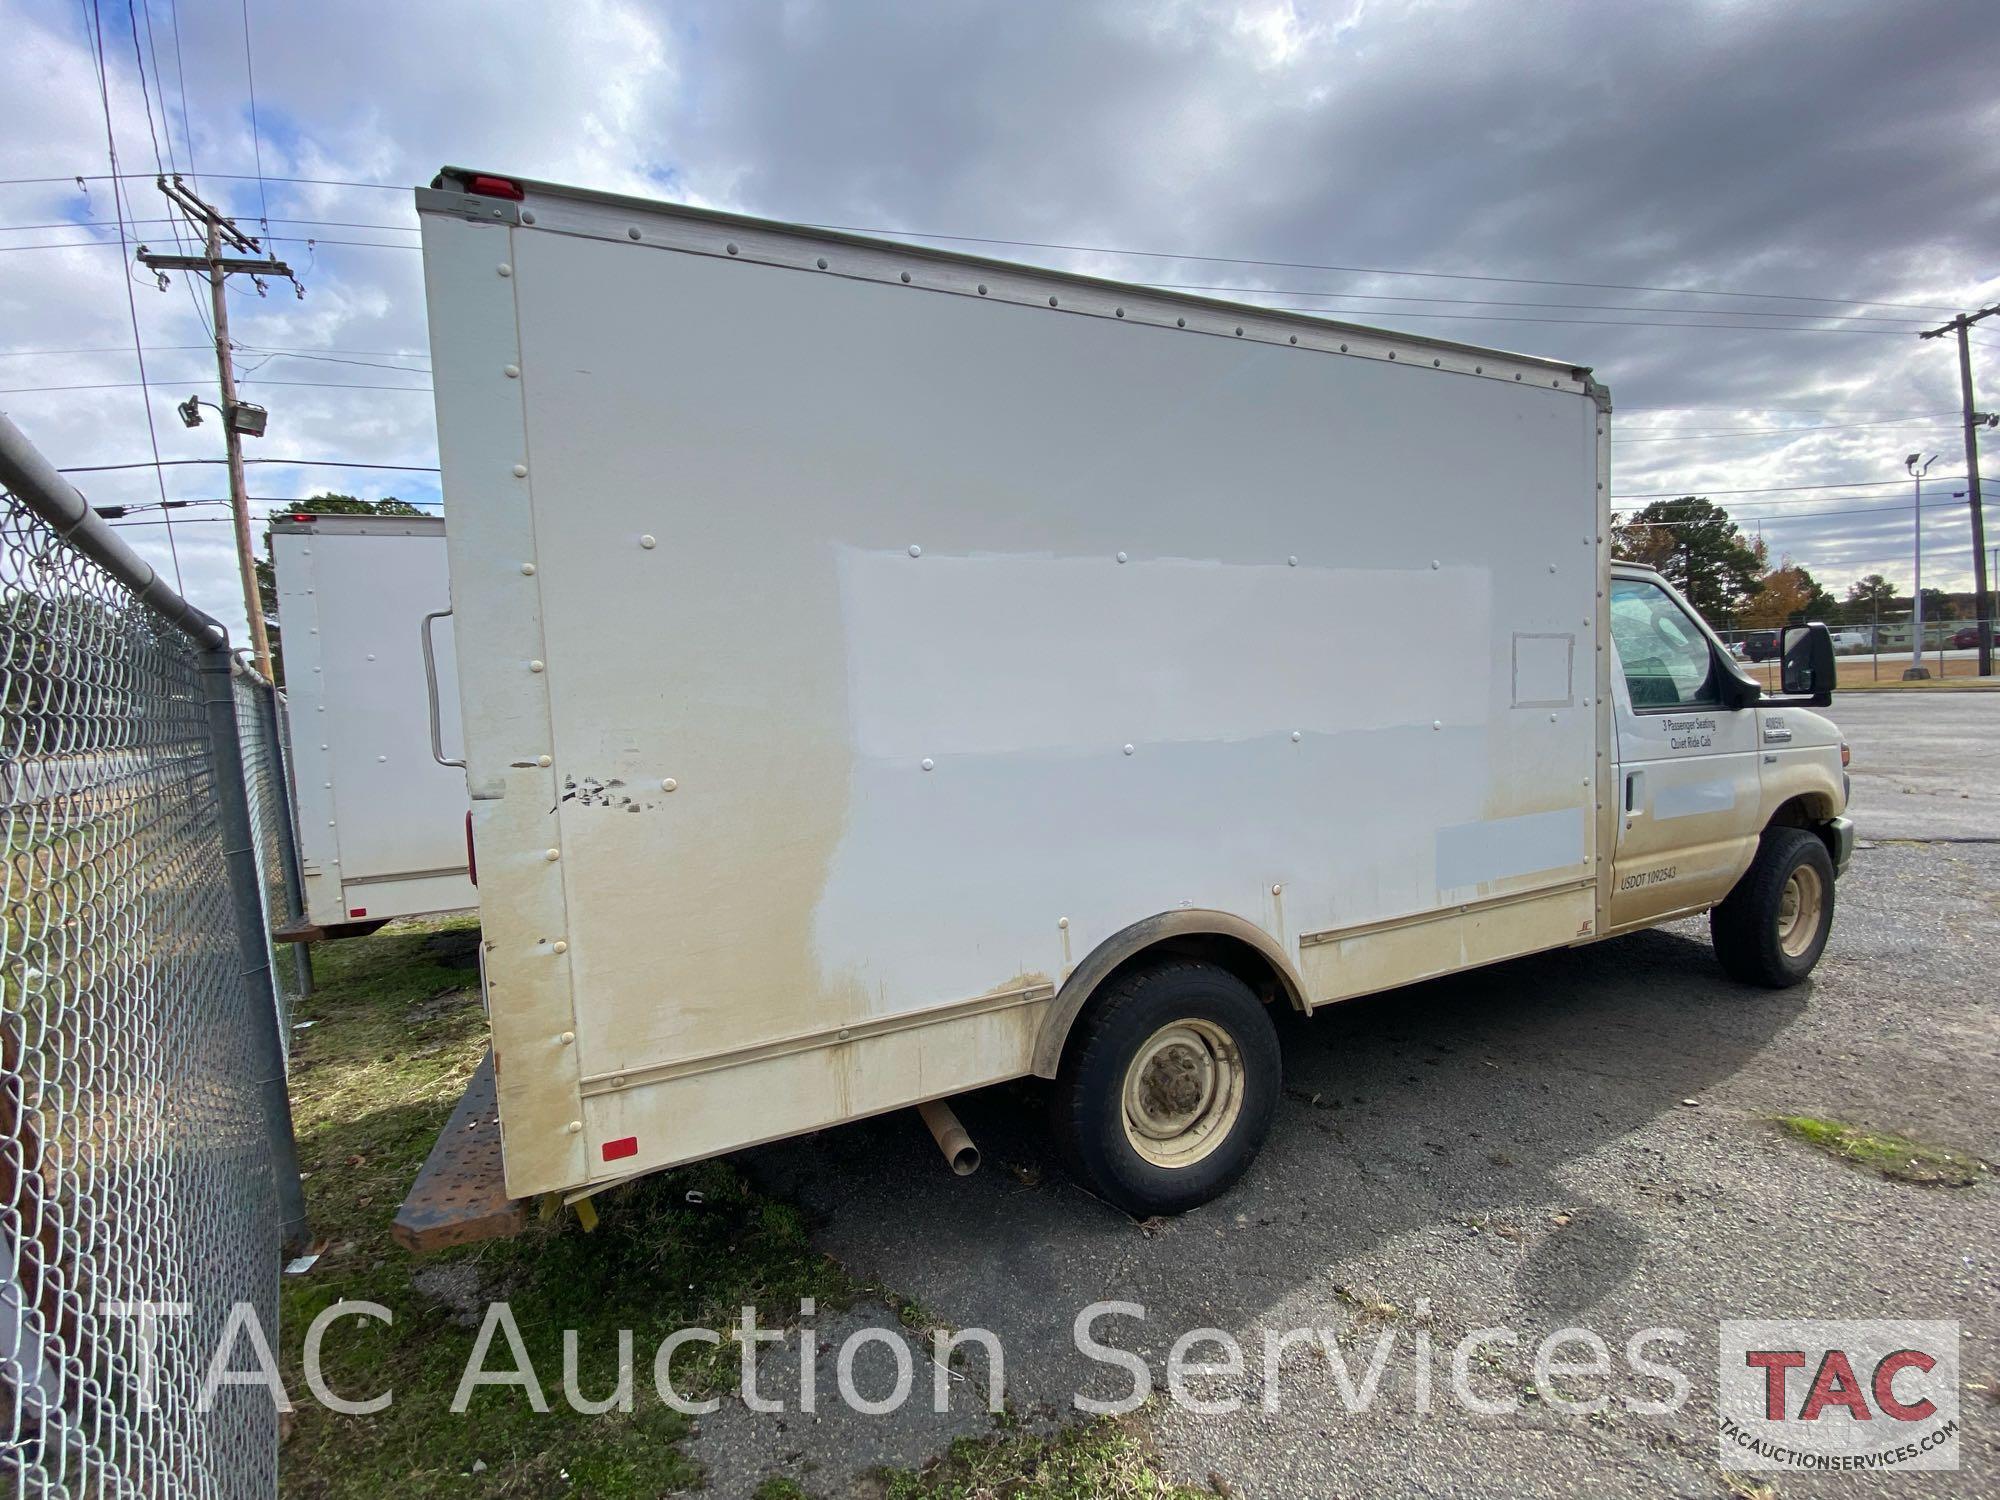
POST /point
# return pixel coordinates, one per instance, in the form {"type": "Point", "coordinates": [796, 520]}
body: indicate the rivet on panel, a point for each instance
{"type": "Point", "coordinates": [1295, 338]}
{"type": "Point", "coordinates": [842, 1036]}
{"type": "Point", "coordinates": [1435, 363]}
{"type": "Point", "coordinates": [1239, 333]}
{"type": "Point", "coordinates": [1435, 565]}
{"type": "Point", "coordinates": [929, 764]}
{"type": "Point", "coordinates": [534, 666]}
{"type": "Point", "coordinates": [1343, 347]}
{"type": "Point", "coordinates": [505, 269]}
{"type": "Point", "coordinates": [1392, 354]}
{"type": "Point", "coordinates": [631, 234]}
{"type": "Point", "coordinates": [1120, 311]}
{"type": "Point", "coordinates": [915, 550]}
{"type": "Point", "coordinates": [520, 471]}
{"type": "Point", "coordinates": [1128, 749]}
{"type": "Point", "coordinates": [1277, 890]}
{"type": "Point", "coordinates": [1552, 567]}
{"type": "Point", "coordinates": [559, 946]}
{"type": "Point", "coordinates": [1291, 562]}
{"type": "Point", "coordinates": [1296, 736]}
{"type": "Point", "coordinates": [552, 855]}
{"type": "Point", "coordinates": [1052, 302]}
{"type": "Point", "coordinates": [545, 760]}
{"type": "Point", "coordinates": [906, 277]}
{"type": "Point", "coordinates": [1180, 322]}
{"type": "Point", "coordinates": [1552, 718]}
{"type": "Point", "coordinates": [730, 247]}
{"type": "Point", "coordinates": [382, 760]}
{"type": "Point", "coordinates": [1437, 723]}
{"type": "Point", "coordinates": [512, 372]}
{"type": "Point", "coordinates": [1121, 557]}
{"type": "Point", "coordinates": [527, 570]}
{"type": "Point", "coordinates": [648, 542]}
{"type": "Point", "coordinates": [1063, 922]}
{"type": "Point", "coordinates": [1479, 369]}
{"type": "Point", "coordinates": [982, 287]}
{"type": "Point", "coordinates": [821, 262]}
{"type": "Point", "coordinates": [575, 1127]}
{"type": "Point", "coordinates": [527, 218]}
{"type": "Point", "coordinates": [668, 784]}
{"type": "Point", "coordinates": [568, 1038]}
{"type": "Point", "coordinates": [1517, 377]}
{"type": "Point", "coordinates": [371, 656]}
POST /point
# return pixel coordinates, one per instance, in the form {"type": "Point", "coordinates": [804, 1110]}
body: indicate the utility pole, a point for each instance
{"type": "Point", "coordinates": [1974, 420]}
{"type": "Point", "coordinates": [238, 417]}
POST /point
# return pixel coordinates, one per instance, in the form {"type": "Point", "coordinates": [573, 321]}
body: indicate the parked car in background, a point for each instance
{"type": "Point", "coordinates": [1761, 645]}
{"type": "Point", "coordinates": [1967, 639]}
{"type": "Point", "coordinates": [1854, 638]}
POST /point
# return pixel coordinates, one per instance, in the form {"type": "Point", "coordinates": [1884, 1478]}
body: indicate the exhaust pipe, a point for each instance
{"type": "Point", "coordinates": [951, 1137]}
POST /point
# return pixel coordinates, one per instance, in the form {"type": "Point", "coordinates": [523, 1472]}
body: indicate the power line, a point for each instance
{"type": "Point", "coordinates": [1234, 260]}
{"type": "Point", "coordinates": [1688, 437]}
{"type": "Point", "coordinates": [256, 143]}
{"type": "Point", "coordinates": [126, 385]}
{"type": "Point", "coordinates": [94, 29]}
{"type": "Point", "coordinates": [1770, 489]}
{"type": "Point", "coordinates": [1733, 312]}
{"type": "Point", "coordinates": [248, 348]}
{"type": "Point", "coordinates": [297, 463]}
{"type": "Point", "coordinates": [1300, 265]}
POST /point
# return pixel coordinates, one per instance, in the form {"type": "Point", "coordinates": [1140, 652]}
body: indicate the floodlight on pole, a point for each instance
{"type": "Point", "coordinates": [1917, 671]}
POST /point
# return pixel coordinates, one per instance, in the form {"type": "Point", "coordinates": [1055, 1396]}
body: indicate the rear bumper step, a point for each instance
{"type": "Point", "coordinates": [461, 1194]}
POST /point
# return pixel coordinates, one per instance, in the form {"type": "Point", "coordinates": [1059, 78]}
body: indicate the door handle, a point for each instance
{"type": "Point", "coordinates": [1635, 794]}
{"type": "Point", "coordinates": [431, 689]}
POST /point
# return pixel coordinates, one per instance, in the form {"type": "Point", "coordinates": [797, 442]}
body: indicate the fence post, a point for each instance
{"type": "Point", "coordinates": [288, 846]}
{"type": "Point", "coordinates": [259, 984]}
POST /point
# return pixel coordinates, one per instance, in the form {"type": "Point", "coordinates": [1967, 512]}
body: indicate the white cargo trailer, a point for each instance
{"type": "Point", "coordinates": [887, 672]}
{"type": "Point", "coordinates": [380, 824]}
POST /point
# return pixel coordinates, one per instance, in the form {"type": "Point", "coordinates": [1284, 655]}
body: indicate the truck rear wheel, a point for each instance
{"type": "Point", "coordinates": [1167, 1087]}
{"type": "Point", "coordinates": [1773, 927]}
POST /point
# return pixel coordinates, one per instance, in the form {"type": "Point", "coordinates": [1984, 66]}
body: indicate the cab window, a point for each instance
{"type": "Point", "coordinates": [1665, 656]}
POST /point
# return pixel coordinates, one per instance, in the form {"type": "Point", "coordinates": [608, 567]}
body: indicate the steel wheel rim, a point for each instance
{"type": "Point", "coordinates": [1799, 911]}
{"type": "Point", "coordinates": [1183, 1092]}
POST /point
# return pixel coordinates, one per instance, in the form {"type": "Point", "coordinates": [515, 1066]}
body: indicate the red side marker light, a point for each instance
{"type": "Point", "coordinates": [625, 1145]}
{"type": "Point", "coordinates": [302, 515]}
{"type": "Point", "coordinates": [495, 187]}
{"type": "Point", "coordinates": [357, 911]}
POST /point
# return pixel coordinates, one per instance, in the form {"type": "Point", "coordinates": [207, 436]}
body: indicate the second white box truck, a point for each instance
{"type": "Point", "coordinates": [887, 672]}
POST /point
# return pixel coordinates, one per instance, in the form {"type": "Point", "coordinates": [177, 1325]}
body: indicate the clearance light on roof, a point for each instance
{"type": "Point", "coordinates": [495, 187]}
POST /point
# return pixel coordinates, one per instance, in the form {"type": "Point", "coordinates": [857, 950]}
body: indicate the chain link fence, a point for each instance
{"type": "Point", "coordinates": [146, 1156]}
{"type": "Point", "coordinates": [260, 711]}
{"type": "Point", "coordinates": [1882, 648]}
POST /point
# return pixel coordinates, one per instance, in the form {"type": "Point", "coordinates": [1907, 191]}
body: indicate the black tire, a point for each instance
{"type": "Point", "coordinates": [1751, 927]}
{"type": "Point", "coordinates": [1132, 1014]}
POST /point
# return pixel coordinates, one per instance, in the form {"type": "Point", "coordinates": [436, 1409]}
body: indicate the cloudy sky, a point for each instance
{"type": "Point", "coordinates": [1516, 174]}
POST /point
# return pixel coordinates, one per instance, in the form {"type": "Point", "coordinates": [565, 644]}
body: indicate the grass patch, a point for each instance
{"type": "Point", "coordinates": [1102, 1460]}
{"type": "Point", "coordinates": [1890, 1156]}
{"type": "Point", "coordinates": [396, 1029]}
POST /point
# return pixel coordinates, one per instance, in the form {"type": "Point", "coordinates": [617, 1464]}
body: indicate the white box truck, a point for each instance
{"type": "Point", "coordinates": [380, 824]}
{"type": "Point", "coordinates": [887, 672]}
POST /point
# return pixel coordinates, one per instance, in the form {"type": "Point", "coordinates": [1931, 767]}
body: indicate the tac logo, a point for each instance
{"type": "Point", "coordinates": [1837, 1396]}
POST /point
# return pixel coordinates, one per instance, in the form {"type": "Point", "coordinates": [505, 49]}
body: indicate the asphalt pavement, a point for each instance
{"type": "Point", "coordinates": [1579, 1139]}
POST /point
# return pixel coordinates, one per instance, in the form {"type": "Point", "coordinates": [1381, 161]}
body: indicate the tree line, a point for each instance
{"type": "Point", "coordinates": [1730, 579]}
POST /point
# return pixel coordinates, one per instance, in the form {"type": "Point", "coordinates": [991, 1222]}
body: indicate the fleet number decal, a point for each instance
{"type": "Point", "coordinates": [1690, 734]}
{"type": "Point", "coordinates": [1649, 877]}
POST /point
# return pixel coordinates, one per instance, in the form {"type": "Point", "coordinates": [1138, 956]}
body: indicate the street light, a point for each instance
{"type": "Point", "coordinates": [1916, 671]}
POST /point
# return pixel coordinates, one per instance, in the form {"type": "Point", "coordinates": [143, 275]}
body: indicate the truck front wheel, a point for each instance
{"type": "Point", "coordinates": [1773, 927]}
{"type": "Point", "coordinates": [1167, 1087]}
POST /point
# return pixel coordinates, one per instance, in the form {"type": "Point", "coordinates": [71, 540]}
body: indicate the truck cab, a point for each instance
{"type": "Point", "coordinates": [1723, 790]}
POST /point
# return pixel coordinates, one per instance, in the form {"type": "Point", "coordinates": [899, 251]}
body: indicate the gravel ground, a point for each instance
{"type": "Point", "coordinates": [1582, 1138]}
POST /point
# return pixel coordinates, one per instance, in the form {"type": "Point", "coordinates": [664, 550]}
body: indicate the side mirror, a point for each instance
{"type": "Point", "coordinates": [1809, 669]}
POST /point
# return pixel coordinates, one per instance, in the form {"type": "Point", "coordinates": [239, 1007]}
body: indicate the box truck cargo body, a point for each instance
{"type": "Point", "coordinates": [380, 824]}
{"type": "Point", "coordinates": [886, 672]}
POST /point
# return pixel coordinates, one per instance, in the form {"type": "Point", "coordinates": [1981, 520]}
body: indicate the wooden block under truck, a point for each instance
{"type": "Point", "coordinates": [887, 673]}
